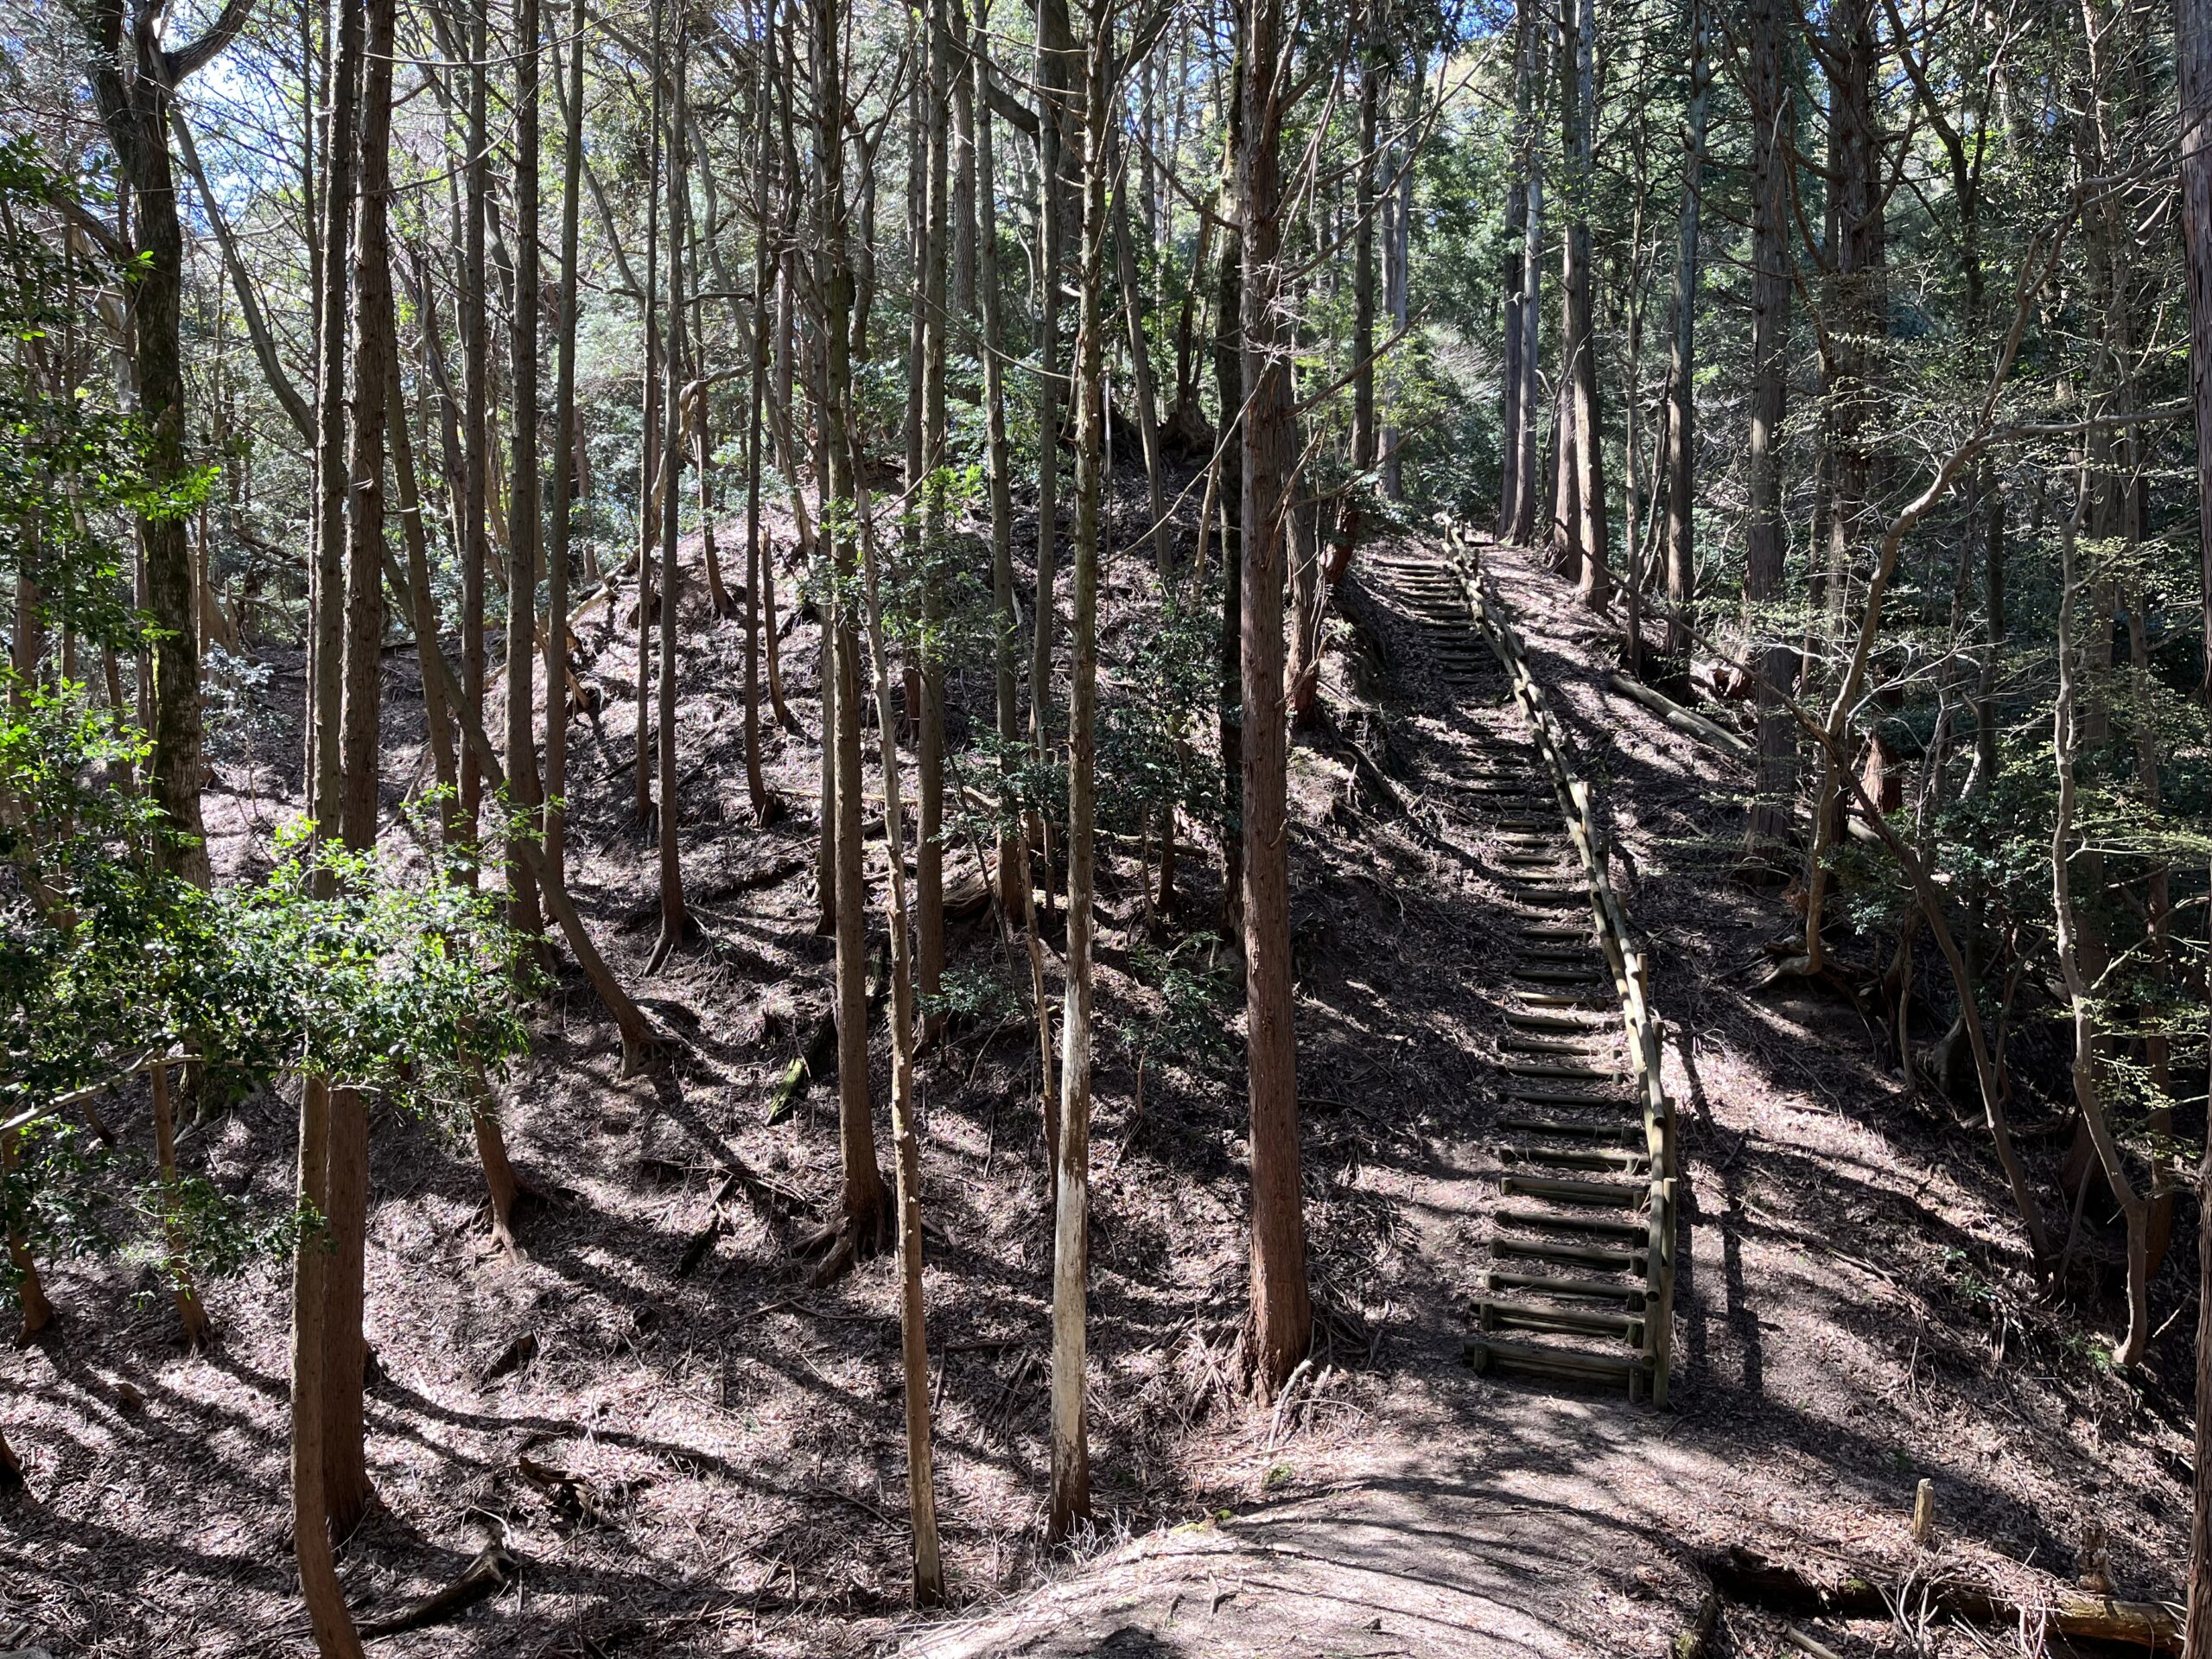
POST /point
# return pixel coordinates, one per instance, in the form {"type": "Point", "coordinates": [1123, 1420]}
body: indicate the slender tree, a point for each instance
{"type": "Point", "coordinates": [674, 918]}
{"type": "Point", "coordinates": [1676, 472]}
{"type": "Point", "coordinates": [865, 1205]}
{"type": "Point", "coordinates": [1281, 1326]}
{"type": "Point", "coordinates": [560, 519]}
{"type": "Point", "coordinates": [1070, 1502]}
{"type": "Point", "coordinates": [525, 521]}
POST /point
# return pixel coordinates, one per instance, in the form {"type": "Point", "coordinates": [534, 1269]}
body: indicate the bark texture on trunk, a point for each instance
{"type": "Point", "coordinates": [1773, 129]}
{"type": "Point", "coordinates": [866, 1205]}
{"type": "Point", "coordinates": [1070, 1502]}
{"type": "Point", "coordinates": [674, 918]}
{"type": "Point", "coordinates": [1677, 474]}
{"type": "Point", "coordinates": [1282, 1328]}
{"type": "Point", "coordinates": [1587, 524]}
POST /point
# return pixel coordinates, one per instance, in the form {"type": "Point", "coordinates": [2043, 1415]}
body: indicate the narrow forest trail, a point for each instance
{"type": "Point", "coordinates": [1844, 1316]}
{"type": "Point", "coordinates": [1467, 1516]}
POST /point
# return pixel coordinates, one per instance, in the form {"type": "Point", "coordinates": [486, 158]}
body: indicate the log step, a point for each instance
{"type": "Point", "coordinates": [1487, 1354]}
{"type": "Point", "coordinates": [1626, 1134]}
{"type": "Point", "coordinates": [1570, 1255]}
{"type": "Point", "coordinates": [1549, 1069]}
{"type": "Point", "coordinates": [1622, 1195]}
{"type": "Point", "coordinates": [1562, 1047]}
{"type": "Point", "coordinates": [1617, 1161]}
{"type": "Point", "coordinates": [1533, 1096]}
{"type": "Point", "coordinates": [1545, 1221]}
{"type": "Point", "coordinates": [1556, 1021]}
{"type": "Point", "coordinates": [1493, 1314]}
{"type": "Point", "coordinates": [1552, 1284]}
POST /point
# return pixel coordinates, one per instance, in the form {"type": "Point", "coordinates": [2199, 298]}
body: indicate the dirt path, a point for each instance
{"type": "Point", "coordinates": [1842, 1312]}
{"type": "Point", "coordinates": [1468, 1518]}
{"type": "Point", "coordinates": [725, 1444]}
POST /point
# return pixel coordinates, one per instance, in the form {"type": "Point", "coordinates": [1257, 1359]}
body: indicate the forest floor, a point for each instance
{"type": "Point", "coordinates": [693, 1452]}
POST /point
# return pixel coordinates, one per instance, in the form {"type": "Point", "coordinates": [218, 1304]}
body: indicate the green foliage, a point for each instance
{"type": "Point", "coordinates": [1156, 700]}
{"type": "Point", "coordinates": [974, 995]}
{"type": "Point", "coordinates": [334, 964]}
{"type": "Point", "coordinates": [72, 462]}
{"type": "Point", "coordinates": [1190, 1027]}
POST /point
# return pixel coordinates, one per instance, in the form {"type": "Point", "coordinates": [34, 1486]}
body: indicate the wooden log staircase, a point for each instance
{"type": "Point", "coordinates": [1581, 1281]}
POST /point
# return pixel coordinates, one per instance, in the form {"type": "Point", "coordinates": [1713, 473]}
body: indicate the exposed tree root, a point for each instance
{"type": "Point", "coordinates": [840, 1246]}
{"type": "Point", "coordinates": [779, 1201]}
{"type": "Point", "coordinates": [493, 1571]}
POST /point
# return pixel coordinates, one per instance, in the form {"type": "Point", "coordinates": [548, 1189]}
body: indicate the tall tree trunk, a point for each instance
{"type": "Point", "coordinates": [332, 1625]}
{"type": "Point", "coordinates": [1070, 1501]}
{"type": "Point", "coordinates": [2193, 59]}
{"type": "Point", "coordinates": [328, 645]}
{"type": "Point", "coordinates": [347, 1491]}
{"type": "Point", "coordinates": [998, 462]}
{"type": "Point", "coordinates": [865, 1205]}
{"type": "Point", "coordinates": [963, 164]}
{"type": "Point", "coordinates": [1578, 100]}
{"type": "Point", "coordinates": [1677, 475]}
{"type": "Point", "coordinates": [1055, 58]}
{"type": "Point", "coordinates": [1511, 388]}
{"type": "Point", "coordinates": [1281, 1327]}
{"type": "Point", "coordinates": [564, 420]}
{"type": "Point", "coordinates": [1766, 533]}
{"type": "Point", "coordinates": [1373, 74]}
{"type": "Point", "coordinates": [929, 842]}
{"type": "Point", "coordinates": [674, 920]}
{"type": "Point", "coordinates": [526, 522]}
{"type": "Point", "coordinates": [921, 1487]}
{"type": "Point", "coordinates": [476, 394]}
{"type": "Point", "coordinates": [1856, 308]}
{"type": "Point", "coordinates": [2193, 56]}
{"type": "Point", "coordinates": [756, 557]}
{"type": "Point", "coordinates": [1229, 383]}
{"type": "Point", "coordinates": [1398, 253]}
{"type": "Point", "coordinates": [659, 387]}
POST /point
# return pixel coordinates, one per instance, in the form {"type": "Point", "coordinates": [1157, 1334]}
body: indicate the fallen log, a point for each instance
{"type": "Point", "coordinates": [1682, 720]}
{"type": "Point", "coordinates": [1744, 1574]}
